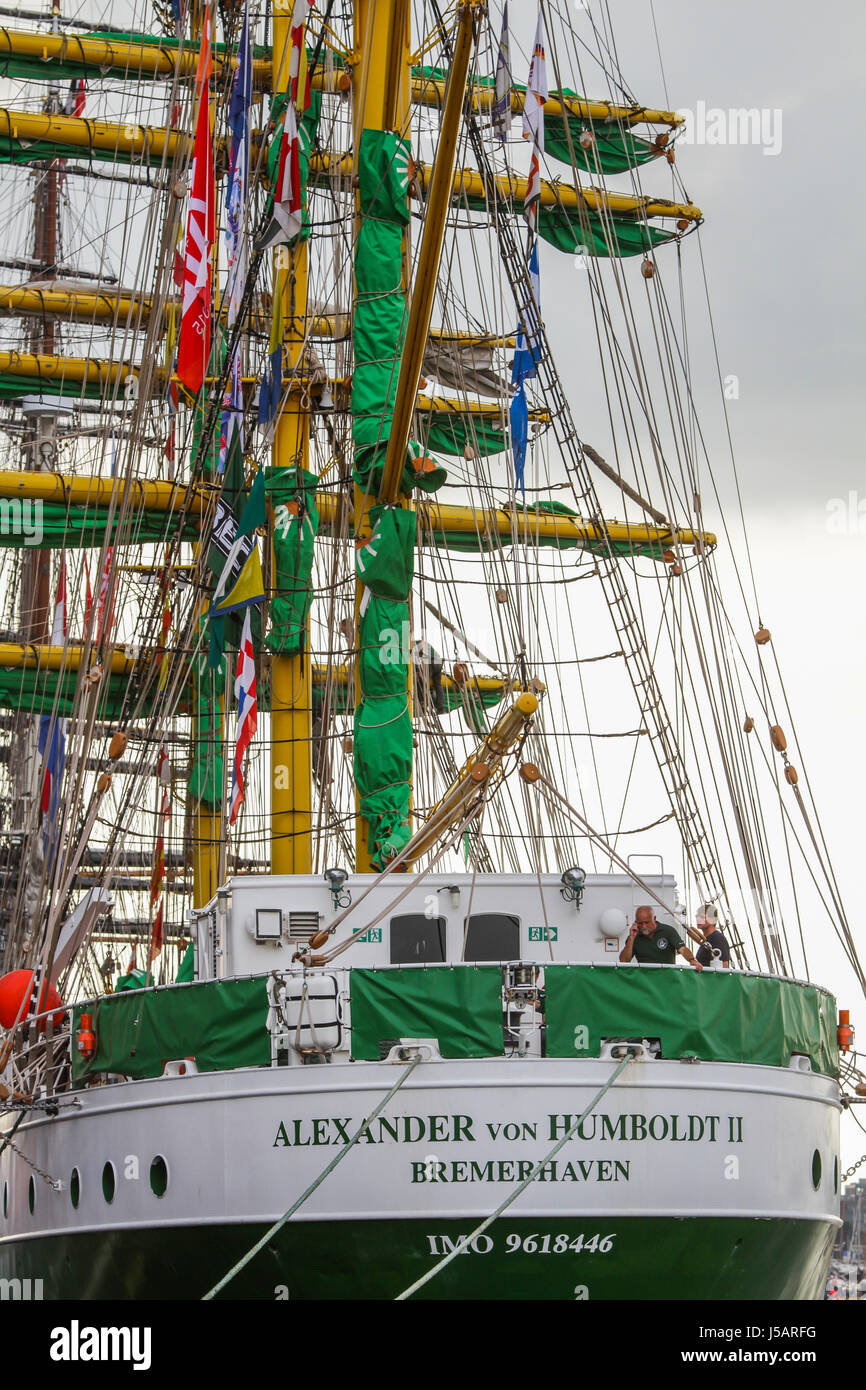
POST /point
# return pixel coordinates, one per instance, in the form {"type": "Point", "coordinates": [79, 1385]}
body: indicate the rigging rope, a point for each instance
{"type": "Point", "coordinates": [278, 1225]}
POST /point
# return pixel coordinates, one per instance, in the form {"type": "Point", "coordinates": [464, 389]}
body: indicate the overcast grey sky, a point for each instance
{"type": "Point", "coordinates": [783, 248]}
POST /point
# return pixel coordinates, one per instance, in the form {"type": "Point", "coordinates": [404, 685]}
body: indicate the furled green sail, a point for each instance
{"type": "Point", "coordinates": [206, 774]}
{"type": "Point", "coordinates": [292, 494]}
{"type": "Point", "coordinates": [383, 720]}
{"type": "Point", "coordinates": [616, 147]}
{"type": "Point", "coordinates": [380, 302]}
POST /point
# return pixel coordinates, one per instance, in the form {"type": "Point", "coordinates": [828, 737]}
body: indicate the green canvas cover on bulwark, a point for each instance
{"type": "Point", "coordinates": [292, 494]}
{"type": "Point", "coordinates": [459, 1006]}
{"type": "Point", "coordinates": [221, 1023]}
{"type": "Point", "coordinates": [716, 1015]}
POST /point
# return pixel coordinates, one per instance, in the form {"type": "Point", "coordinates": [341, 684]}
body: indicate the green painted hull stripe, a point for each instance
{"type": "Point", "coordinates": [638, 1258]}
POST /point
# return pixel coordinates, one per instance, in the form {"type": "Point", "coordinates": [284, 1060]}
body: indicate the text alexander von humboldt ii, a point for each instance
{"type": "Point", "coordinates": [464, 1129]}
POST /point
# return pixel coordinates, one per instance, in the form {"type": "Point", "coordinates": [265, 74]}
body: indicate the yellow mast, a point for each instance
{"type": "Point", "coordinates": [291, 695]}
{"type": "Point", "coordinates": [381, 101]}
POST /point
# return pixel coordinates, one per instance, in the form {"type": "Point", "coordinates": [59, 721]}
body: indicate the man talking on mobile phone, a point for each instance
{"type": "Point", "coordinates": [654, 943]}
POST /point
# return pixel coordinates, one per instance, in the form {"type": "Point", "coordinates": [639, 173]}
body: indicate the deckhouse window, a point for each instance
{"type": "Point", "coordinates": [493, 936]}
{"type": "Point", "coordinates": [416, 939]}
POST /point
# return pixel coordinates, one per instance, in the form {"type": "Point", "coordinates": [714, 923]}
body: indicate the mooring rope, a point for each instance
{"type": "Point", "coordinates": [278, 1225]}
{"type": "Point", "coordinates": [521, 1187]}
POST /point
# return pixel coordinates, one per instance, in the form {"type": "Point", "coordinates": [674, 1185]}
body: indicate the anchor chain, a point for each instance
{"type": "Point", "coordinates": [53, 1183]}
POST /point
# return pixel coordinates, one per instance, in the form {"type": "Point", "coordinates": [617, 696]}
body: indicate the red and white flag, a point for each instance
{"type": "Point", "coordinates": [58, 625]}
{"type": "Point", "coordinates": [299, 76]}
{"type": "Point", "coordinates": [245, 694]}
{"type": "Point", "coordinates": [536, 90]}
{"type": "Point", "coordinates": [533, 121]}
{"type": "Point", "coordinates": [195, 327]}
{"type": "Point", "coordinates": [288, 213]}
{"type": "Point", "coordinates": [75, 98]}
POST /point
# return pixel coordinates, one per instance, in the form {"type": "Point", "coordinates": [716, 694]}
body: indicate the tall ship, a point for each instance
{"type": "Point", "coordinates": [373, 740]}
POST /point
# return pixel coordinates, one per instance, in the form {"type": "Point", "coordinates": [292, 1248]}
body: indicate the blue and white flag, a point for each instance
{"type": "Point", "coordinates": [238, 180]}
{"type": "Point", "coordinates": [502, 84]}
{"type": "Point", "coordinates": [528, 351]}
{"type": "Point", "coordinates": [519, 414]}
{"type": "Point", "coordinates": [233, 411]}
{"type": "Point", "coordinates": [271, 387]}
{"type": "Point", "coordinates": [236, 253]}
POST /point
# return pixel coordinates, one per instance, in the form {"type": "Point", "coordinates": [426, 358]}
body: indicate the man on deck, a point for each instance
{"type": "Point", "coordinates": [714, 946]}
{"type": "Point", "coordinates": [654, 943]}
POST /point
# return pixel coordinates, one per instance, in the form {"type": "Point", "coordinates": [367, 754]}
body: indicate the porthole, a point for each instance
{"type": "Point", "coordinates": [108, 1182]}
{"type": "Point", "coordinates": [816, 1170]}
{"type": "Point", "coordinates": [158, 1176]}
{"type": "Point", "coordinates": [31, 1195]}
{"type": "Point", "coordinates": [75, 1188]}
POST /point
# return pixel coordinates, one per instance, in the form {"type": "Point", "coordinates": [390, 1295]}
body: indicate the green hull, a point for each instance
{"type": "Point", "coordinates": [649, 1257]}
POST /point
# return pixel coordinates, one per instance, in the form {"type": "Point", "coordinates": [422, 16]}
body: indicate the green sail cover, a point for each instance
{"type": "Point", "coordinates": [221, 1023]}
{"type": "Point", "coordinates": [292, 494]}
{"type": "Point", "coordinates": [383, 721]}
{"type": "Point", "coordinates": [11, 387]}
{"type": "Point", "coordinates": [84, 528]}
{"type": "Point", "coordinates": [717, 1015]}
{"type": "Point", "coordinates": [47, 691]}
{"type": "Point", "coordinates": [585, 233]}
{"type": "Point", "coordinates": [54, 692]}
{"type": "Point", "coordinates": [616, 148]}
{"type": "Point", "coordinates": [448, 432]}
{"type": "Point", "coordinates": [206, 773]}
{"type": "Point", "coordinates": [72, 67]}
{"type": "Point", "coordinates": [380, 304]}
{"type": "Point", "coordinates": [459, 1006]}
{"type": "Point", "coordinates": [474, 543]}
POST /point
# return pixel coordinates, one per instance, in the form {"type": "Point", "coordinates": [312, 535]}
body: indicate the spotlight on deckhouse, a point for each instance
{"type": "Point", "coordinates": [573, 881]}
{"type": "Point", "coordinates": [335, 879]}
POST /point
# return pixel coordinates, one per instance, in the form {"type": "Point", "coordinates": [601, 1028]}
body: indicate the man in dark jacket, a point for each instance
{"type": "Point", "coordinates": [714, 945]}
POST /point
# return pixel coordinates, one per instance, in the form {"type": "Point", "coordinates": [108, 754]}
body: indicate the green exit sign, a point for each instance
{"type": "Point", "coordinates": [374, 934]}
{"type": "Point", "coordinates": [543, 933]}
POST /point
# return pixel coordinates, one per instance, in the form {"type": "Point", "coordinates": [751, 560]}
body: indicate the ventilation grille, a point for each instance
{"type": "Point", "coordinates": [303, 925]}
